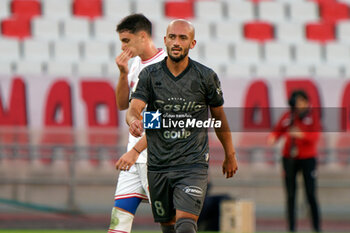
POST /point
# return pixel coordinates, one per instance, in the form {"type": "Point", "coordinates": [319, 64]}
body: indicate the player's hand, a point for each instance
{"type": "Point", "coordinates": [136, 128]}
{"type": "Point", "coordinates": [122, 60]}
{"type": "Point", "coordinates": [295, 132]}
{"type": "Point", "coordinates": [128, 159]}
{"type": "Point", "coordinates": [271, 139]}
{"type": "Point", "coordinates": [229, 166]}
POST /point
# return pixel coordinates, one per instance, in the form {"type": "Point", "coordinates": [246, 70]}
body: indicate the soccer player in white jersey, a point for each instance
{"type": "Point", "coordinates": [135, 35]}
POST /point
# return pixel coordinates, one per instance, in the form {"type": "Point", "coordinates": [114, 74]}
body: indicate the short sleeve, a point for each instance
{"type": "Point", "coordinates": [142, 91]}
{"type": "Point", "coordinates": [214, 94]}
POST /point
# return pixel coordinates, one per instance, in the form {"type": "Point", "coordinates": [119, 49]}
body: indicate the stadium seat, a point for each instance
{"type": "Point", "coordinates": [203, 30]}
{"type": "Point", "coordinates": [116, 9]}
{"type": "Point", "coordinates": [179, 9]}
{"type": "Point", "coordinates": [104, 30]}
{"type": "Point", "coordinates": [343, 32]}
{"type": "Point", "coordinates": [229, 31]}
{"type": "Point", "coordinates": [10, 50]}
{"type": "Point", "coordinates": [277, 53]}
{"type": "Point", "coordinates": [77, 29]}
{"type": "Point", "coordinates": [28, 68]}
{"type": "Point", "coordinates": [334, 11]}
{"type": "Point", "coordinates": [57, 9]}
{"type": "Point", "coordinates": [301, 11]}
{"type": "Point", "coordinates": [271, 11]}
{"type": "Point", "coordinates": [259, 31]}
{"type": "Point", "coordinates": [218, 52]}
{"type": "Point", "coordinates": [247, 52]}
{"type": "Point", "coordinates": [241, 10]}
{"type": "Point", "coordinates": [297, 71]}
{"type": "Point", "coordinates": [45, 29]}
{"type": "Point", "coordinates": [320, 32]}
{"type": "Point", "coordinates": [268, 71]}
{"type": "Point", "coordinates": [35, 50]}
{"type": "Point", "coordinates": [209, 10]}
{"type": "Point", "coordinates": [152, 9]}
{"type": "Point", "coordinates": [66, 51]}
{"type": "Point", "coordinates": [90, 69]}
{"type": "Point", "coordinates": [26, 8]}
{"type": "Point", "coordinates": [197, 53]}
{"type": "Point", "coordinates": [308, 53]}
{"type": "Point", "coordinates": [96, 51]}
{"type": "Point", "coordinates": [290, 32]}
{"type": "Point", "coordinates": [327, 71]}
{"type": "Point", "coordinates": [159, 30]}
{"type": "Point", "coordinates": [90, 9]}
{"type": "Point", "coordinates": [337, 54]}
{"type": "Point", "coordinates": [16, 28]}
{"type": "Point", "coordinates": [6, 68]}
{"type": "Point", "coordinates": [5, 9]}
{"type": "Point", "coordinates": [238, 71]}
{"type": "Point", "coordinates": [56, 69]}
{"type": "Point", "coordinates": [112, 70]}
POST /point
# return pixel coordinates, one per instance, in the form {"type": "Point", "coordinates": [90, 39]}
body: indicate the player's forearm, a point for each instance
{"type": "Point", "coordinates": [122, 92]}
{"type": "Point", "coordinates": [132, 114]}
{"type": "Point", "coordinates": [141, 144]}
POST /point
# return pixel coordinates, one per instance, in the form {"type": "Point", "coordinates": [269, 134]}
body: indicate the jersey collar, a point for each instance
{"type": "Point", "coordinates": [177, 78]}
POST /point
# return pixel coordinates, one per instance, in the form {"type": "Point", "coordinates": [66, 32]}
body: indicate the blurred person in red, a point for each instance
{"type": "Point", "coordinates": [301, 127]}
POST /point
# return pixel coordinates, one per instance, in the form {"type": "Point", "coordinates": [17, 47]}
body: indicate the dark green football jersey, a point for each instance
{"type": "Point", "coordinates": [183, 101]}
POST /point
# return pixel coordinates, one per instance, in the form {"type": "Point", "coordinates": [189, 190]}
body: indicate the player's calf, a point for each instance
{"type": "Point", "coordinates": [186, 225]}
{"type": "Point", "coordinates": [121, 221]}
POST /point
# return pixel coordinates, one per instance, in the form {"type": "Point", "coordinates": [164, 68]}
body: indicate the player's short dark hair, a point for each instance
{"type": "Point", "coordinates": [135, 23]}
{"type": "Point", "coordinates": [295, 94]}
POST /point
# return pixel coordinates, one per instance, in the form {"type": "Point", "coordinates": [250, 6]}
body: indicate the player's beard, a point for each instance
{"type": "Point", "coordinates": [180, 57]}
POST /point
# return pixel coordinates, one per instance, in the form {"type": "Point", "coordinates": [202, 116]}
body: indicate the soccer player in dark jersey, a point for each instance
{"type": "Point", "coordinates": [181, 92]}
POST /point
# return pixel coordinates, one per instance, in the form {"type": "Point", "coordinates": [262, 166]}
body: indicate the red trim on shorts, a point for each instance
{"type": "Point", "coordinates": [160, 52]}
{"type": "Point", "coordinates": [130, 195]}
{"type": "Point", "coordinates": [116, 231]}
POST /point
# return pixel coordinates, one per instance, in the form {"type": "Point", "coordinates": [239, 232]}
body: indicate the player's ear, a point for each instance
{"type": "Point", "coordinates": [193, 44]}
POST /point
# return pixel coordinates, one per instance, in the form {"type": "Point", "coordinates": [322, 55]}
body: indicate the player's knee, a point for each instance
{"type": "Point", "coordinates": [168, 228]}
{"type": "Point", "coordinates": [186, 225]}
{"type": "Point", "coordinates": [121, 221]}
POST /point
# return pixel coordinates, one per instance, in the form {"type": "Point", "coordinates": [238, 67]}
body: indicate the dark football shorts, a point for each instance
{"type": "Point", "coordinates": [177, 190]}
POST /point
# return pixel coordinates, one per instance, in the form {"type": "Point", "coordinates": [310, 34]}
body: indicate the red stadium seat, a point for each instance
{"type": "Point", "coordinates": [26, 8]}
{"type": "Point", "coordinates": [320, 32]}
{"type": "Point", "coordinates": [177, 9]}
{"type": "Point", "coordinates": [90, 9]}
{"type": "Point", "coordinates": [16, 27]}
{"type": "Point", "coordinates": [260, 31]}
{"type": "Point", "coordinates": [334, 11]}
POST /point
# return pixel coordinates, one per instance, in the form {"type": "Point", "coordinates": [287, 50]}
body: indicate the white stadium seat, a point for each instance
{"type": "Point", "coordinates": [96, 51]}
{"type": "Point", "coordinates": [66, 51]}
{"type": "Point", "coordinates": [239, 71]}
{"type": "Point", "coordinates": [203, 30]}
{"type": "Point", "coordinates": [303, 11]}
{"type": "Point", "coordinates": [36, 50]}
{"type": "Point", "coordinates": [90, 69]}
{"type": "Point", "coordinates": [10, 50]}
{"type": "Point", "coordinates": [48, 29]}
{"type": "Point", "coordinates": [218, 52]}
{"type": "Point", "coordinates": [272, 11]}
{"type": "Point", "coordinates": [105, 30]}
{"type": "Point", "coordinates": [291, 32]}
{"type": "Point", "coordinates": [241, 10]}
{"type": "Point", "coordinates": [308, 53]}
{"type": "Point", "coordinates": [29, 68]}
{"type": "Point", "coordinates": [209, 10]}
{"type": "Point", "coordinates": [77, 29]}
{"type": "Point", "coordinates": [6, 68]}
{"type": "Point", "coordinates": [327, 71]}
{"type": "Point", "coordinates": [297, 71]}
{"type": "Point", "coordinates": [113, 9]}
{"type": "Point", "coordinates": [247, 52]}
{"type": "Point", "coordinates": [57, 9]}
{"type": "Point", "coordinates": [152, 9]}
{"type": "Point", "coordinates": [343, 32]}
{"type": "Point", "coordinates": [5, 9]}
{"type": "Point", "coordinates": [54, 68]}
{"type": "Point", "coordinates": [268, 71]}
{"type": "Point", "coordinates": [277, 53]}
{"type": "Point", "coordinates": [338, 54]}
{"type": "Point", "coordinates": [112, 70]}
{"type": "Point", "coordinates": [229, 31]}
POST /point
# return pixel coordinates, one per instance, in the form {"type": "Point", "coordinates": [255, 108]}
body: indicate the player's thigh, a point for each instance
{"type": "Point", "coordinates": [142, 170]}
{"type": "Point", "coordinates": [190, 190]}
{"type": "Point", "coordinates": [161, 194]}
{"type": "Point", "coordinates": [130, 185]}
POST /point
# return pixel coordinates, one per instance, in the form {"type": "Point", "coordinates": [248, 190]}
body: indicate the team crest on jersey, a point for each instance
{"type": "Point", "coordinates": [151, 120]}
